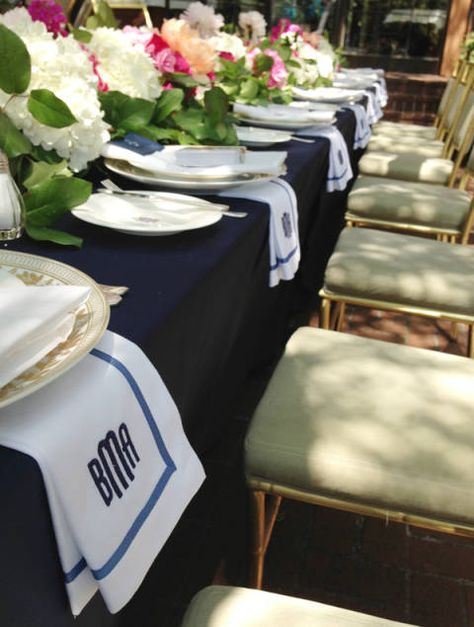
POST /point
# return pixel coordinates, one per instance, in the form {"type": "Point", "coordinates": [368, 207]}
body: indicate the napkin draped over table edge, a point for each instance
{"type": "Point", "coordinates": [283, 236]}
{"type": "Point", "coordinates": [110, 520]}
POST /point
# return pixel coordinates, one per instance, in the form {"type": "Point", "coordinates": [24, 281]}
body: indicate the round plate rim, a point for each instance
{"type": "Point", "coordinates": [96, 304]}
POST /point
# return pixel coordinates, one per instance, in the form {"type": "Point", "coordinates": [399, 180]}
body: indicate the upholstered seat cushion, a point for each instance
{"type": "Point", "coordinates": [404, 269]}
{"type": "Point", "coordinates": [407, 167]}
{"type": "Point", "coordinates": [227, 606]}
{"type": "Point", "coordinates": [369, 422]}
{"type": "Point", "coordinates": [406, 202]}
{"type": "Point", "coordinates": [397, 129]}
{"type": "Point", "coordinates": [406, 144]}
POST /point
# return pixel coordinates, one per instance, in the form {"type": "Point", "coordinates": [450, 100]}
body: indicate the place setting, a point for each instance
{"type": "Point", "coordinates": [284, 117]}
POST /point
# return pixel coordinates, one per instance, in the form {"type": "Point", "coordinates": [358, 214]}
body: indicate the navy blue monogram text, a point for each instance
{"type": "Point", "coordinates": [286, 224]}
{"type": "Point", "coordinates": [111, 470]}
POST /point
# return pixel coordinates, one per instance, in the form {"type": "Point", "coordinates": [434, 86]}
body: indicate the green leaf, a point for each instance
{"type": "Point", "coordinates": [104, 16]}
{"type": "Point", "coordinates": [181, 79]}
{"type": "Point", "coordinates": [124, 112]}
{"type": "Point", "coordinates": [48, 200]}
{"type": "Point", "coordinates": [48, 156]}
{"type": "Point", "coordinates": [216, 104]}
{"type": "Point", "coordinates": [82, 35]}
{"type": "Point", "coordinates": [15, 65]}
{"type": "Point", "coordinates": [170, 100]}
{"type": "Point", "coordinates": [12, 141]}
{"type": "Point", "coordinates": [43, 171]}
{"type": "Point", "coordinates": [45, 234]}
{"type": "Point", "coordinates": [49, 109]}
{"type": "Point", "coordinates": [193, 122]}
{"type": "Point", "coordinates": [249, 89]}
{"type": "Point", "coordinates": [263, 63]}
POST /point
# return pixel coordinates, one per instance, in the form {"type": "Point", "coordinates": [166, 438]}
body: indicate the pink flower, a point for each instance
{"type": "Point", "coordinates": [165, 60]}
{"type": "Point", "coordinates": [227, 56]}
{"type": "Point", "coordinates": [51, 14]}
{"type": "Point", "coordinates": [285, 26]}
{"type": "Point", "coordinates": [278, 73]}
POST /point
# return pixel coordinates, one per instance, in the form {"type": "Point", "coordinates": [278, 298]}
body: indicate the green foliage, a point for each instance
{"type": "Point", "coordinates": [124, 113]}
{"type": "Point", "coordinates": [170, 101]}
{"type": "Point", "coordinates": [50, 110]}
{"type": "Point", "coordinates": [103, 16]}
{"type": "Point", "coordinates": [45, 202]}
{"type": "Point", "coordinates": [81, 34]}
{"type": "Point", "coordinates": [12, 141]}
{"type": "Point", "coordinates": [15, 65]}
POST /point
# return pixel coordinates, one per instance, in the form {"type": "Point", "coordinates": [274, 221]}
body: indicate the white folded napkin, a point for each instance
{"type": "Point", "coordinates": [374, 111]}
{"type": "Point", "coordinates": [34, 320]}
{"type": "Point", "coordinates": [283, 113]}
{"type": "Point", "coordinates": [381, 92]}
{"type": "Point", "coordinates": [117, 467]}
{"type": "Point", "coordinates": [164, 162]}
{"type": "Point", "coordinates": [363, 132]}
{"type": "Point", "coordinates": [340, 170]}
{"type": "Point", "coordinates": [283, 234]}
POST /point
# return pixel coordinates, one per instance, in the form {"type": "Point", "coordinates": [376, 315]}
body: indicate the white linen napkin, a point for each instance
{"type": "Point", "coordinates": [340, 170]}
{"type": "Point", "coordinates": [34, 320]}
{"type": "Point", "coordinates": [374, 111]}
{"type": "Point", "coordinates": [363, 132]}
{"type": "Point", "coordinates": [283, 113]}
{"type": "Point", "coordinates": [328, 94]}
{"type": "Point", "coordinates": [164, 162]}
{"type": "Point", "coordinates": [283, 237]}
{"type": "Point", "coordinates": [117, 467]}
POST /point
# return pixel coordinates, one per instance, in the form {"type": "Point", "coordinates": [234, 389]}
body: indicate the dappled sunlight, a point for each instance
{"type": "Point", "coordinates": [402, 269]}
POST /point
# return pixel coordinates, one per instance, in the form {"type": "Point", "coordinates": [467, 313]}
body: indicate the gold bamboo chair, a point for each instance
{"type": "Point", "coordinates": [363, 426]}
{"type": "Point", "coordinates": [401, 273]}
{"type": "Point", "coordinates": [448, 140]}
{"type": "Point", "coordinates": [416, 208]}
{"type": "Point", "coordinates": [231, 606]}
{"type": "Point", "coordinates": [397, 129]}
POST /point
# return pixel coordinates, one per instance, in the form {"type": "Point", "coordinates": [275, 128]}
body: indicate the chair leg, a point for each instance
{"type": "Point", "coordinates": [262, 527]}
{"type": "Point", "coordinates": [470, 341]}
{"type": "Point", "coordinates": [340, 319]}
{"type": "Point", "coordinates": [325, 321]}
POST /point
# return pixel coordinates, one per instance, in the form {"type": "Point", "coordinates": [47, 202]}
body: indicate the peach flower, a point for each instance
{"type": "Point", "coordinates": [199, 53]}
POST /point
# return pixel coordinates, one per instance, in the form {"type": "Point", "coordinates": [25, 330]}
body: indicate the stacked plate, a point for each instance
{"type": "Point", "coordinates": [63, 315]}
{"type": "Point", "coordinates": [337, 95]}
{"type": "Point", "coordinates": [204, 170]}
{"type": "Point", "coordinates": [283, 116]}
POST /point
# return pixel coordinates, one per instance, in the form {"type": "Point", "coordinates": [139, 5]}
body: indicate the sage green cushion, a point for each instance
{"type": "Point", "coordinates": [406, 144]}
{"type": "Point", "coordinates": [397, 129]}
{"type": "Point", "coordinates": [406, 167]}
{"type": "Point", "coordinates": [227, 606]}
{"type": "Point", "coordinates": [406, 202]}
{"type": "Point", "coordinates": [404, 269]}
{"type": "Point", "coordinates": [369, 422]}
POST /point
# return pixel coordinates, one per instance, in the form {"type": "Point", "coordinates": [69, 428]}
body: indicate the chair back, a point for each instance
{"type": "Point", "coordinates": [453, 100]}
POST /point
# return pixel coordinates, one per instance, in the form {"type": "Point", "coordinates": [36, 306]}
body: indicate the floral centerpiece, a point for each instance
{"type": "Point", "coordinates": [51, 123]}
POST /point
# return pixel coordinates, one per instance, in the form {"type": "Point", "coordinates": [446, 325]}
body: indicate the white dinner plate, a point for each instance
{"type": "Point", "coordinates": [260, 137]}
{"type": "Point", "coordinates": [90, 322]}
{"type": "Point", "coordinates": [287, 124]}
{"type": "Point", "coordinates": [161, 214]}
{"type": "Point", "coordinates": [196, 183]}
{"type": "Point", "coordinates": [328, 94]}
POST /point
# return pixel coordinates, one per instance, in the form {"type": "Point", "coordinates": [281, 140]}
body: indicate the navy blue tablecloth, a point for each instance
{"type": "Point", "coordinates": [200, 307]}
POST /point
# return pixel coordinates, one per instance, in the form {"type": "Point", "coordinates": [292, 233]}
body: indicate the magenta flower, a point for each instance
{"type": "Point", "coordinates": [285, 26]}
{"type": "Point", "coordinates": [51, 14]}
{"type": "Point", "coordinates": [278, 73]}
{"type": "Point", "coordinates": [227, 56]}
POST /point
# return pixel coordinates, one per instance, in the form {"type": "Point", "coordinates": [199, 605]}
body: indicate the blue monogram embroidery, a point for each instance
{"type": "Point", "coordinates": [286, 223]}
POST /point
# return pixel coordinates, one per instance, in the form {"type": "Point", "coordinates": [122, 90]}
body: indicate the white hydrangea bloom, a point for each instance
{"type": "Point", "coordinates": [203, 19]}
{"type": "Point", "coordinates": [123, 66]}
{"type": "Point", "coordinates": [61, 66]}
{"type": "Point", "coordinates": [253, 25]}
{"type": "Point", "coordinates": [225, 42]}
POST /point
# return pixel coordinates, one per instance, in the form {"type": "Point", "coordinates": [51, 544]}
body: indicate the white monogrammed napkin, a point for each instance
{"type": "Point", "coordinates": [363, 132]}
{"type": "Point", "coordinates": [283, 234]}
{"type": "Point", "coordinates": [117, 467]}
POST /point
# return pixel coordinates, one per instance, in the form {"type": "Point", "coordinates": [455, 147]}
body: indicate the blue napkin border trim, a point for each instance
{"type": "Point", "coordinates": [170, 468]}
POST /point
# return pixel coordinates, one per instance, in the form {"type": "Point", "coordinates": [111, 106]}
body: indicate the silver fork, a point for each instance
{"type": "Point", "coordinates": [113, 189]}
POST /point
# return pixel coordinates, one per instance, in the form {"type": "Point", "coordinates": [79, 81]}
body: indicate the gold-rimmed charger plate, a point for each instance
{"type": "Point", "coordinates": [196, 183]}
{"type": "Point", "coordinates": [91, 321]}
